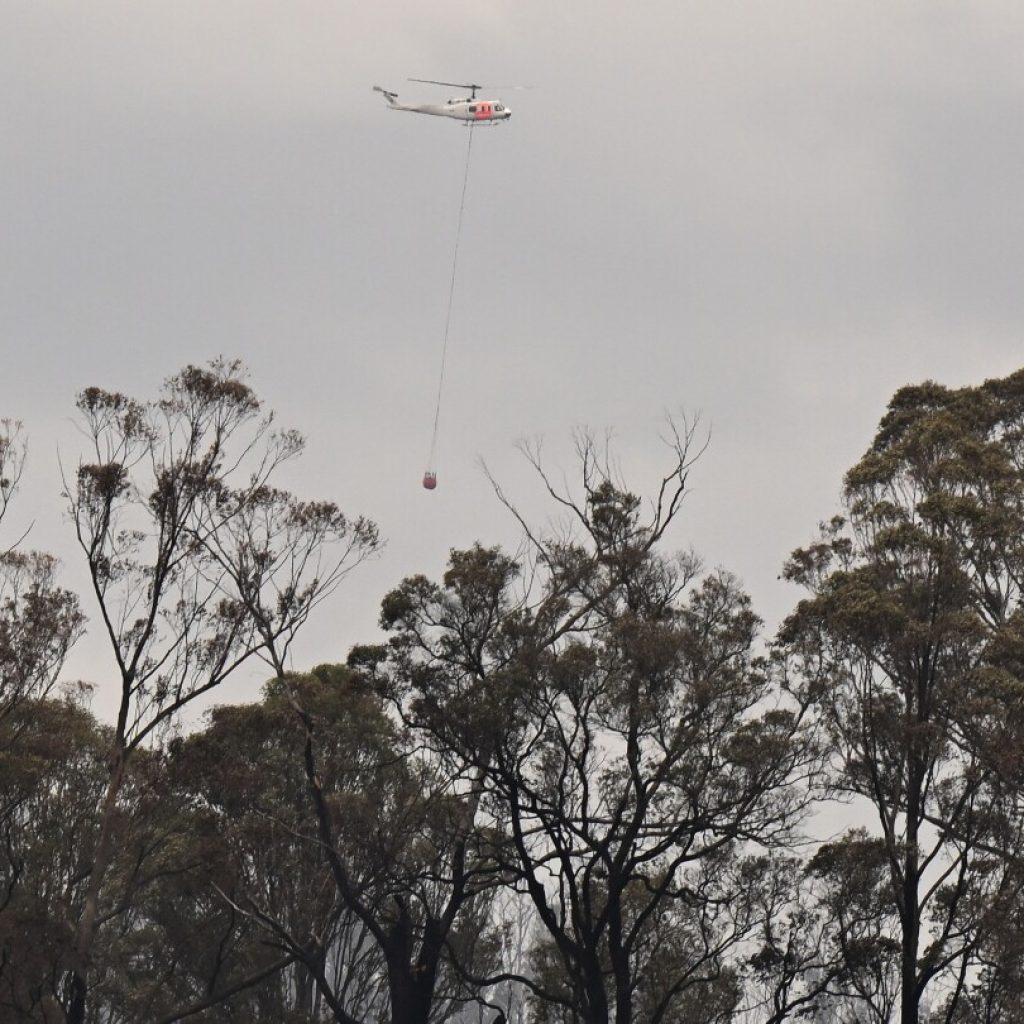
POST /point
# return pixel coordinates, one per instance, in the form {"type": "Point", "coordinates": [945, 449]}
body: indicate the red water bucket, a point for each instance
{"type": "Point", "coordinates": [429, 480]}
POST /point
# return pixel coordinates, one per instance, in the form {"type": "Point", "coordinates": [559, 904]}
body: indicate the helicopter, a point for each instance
{"type": "Point", "coordinates": [467, 109]}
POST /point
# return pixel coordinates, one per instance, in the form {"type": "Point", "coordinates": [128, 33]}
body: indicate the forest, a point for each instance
{"type": "Point", "coordinates": [574, 783]}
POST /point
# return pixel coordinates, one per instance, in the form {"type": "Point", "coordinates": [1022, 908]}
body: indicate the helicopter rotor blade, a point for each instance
{"type": "Point", "coordinates": [452, 85]}
{"type": "Point", "coordinates": [471, 85]}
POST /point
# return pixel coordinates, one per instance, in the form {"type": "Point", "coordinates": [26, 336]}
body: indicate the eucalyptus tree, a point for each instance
{"type": "Point", "coordinates": [263, 925]}
{"type": "Point", "coordinates": [40, 621]}
{"type": "Point", "coordinates": [794, 970]}
{"type": "Point", "coordinates": [347, 861]}
{"type": "Point", "coordinates": [164, 937]}
{"type": "Point", "coordinates": [911, 644]}
{"type": "Point", "coordinates": [408, 864]}
{"type": "Point", "coordinates": [154, 504]}
{"type": "Point", "coordinates": [994, 994]}
{"type": "Point", "coordinates": [51, 783]}
{"type": "Point", "coordinates": [607, 700]}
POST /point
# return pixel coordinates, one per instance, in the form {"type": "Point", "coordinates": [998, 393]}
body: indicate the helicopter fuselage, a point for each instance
{"type": "Point", "coordinates": [465, 109]}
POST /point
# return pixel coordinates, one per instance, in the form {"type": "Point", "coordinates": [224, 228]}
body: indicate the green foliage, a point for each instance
{"type": "Point", "coordinates": [909, 645]}
{"type": "Point", "coordinates": [587, 735]}
{"type": "Point", "coordinates": [617, 716]}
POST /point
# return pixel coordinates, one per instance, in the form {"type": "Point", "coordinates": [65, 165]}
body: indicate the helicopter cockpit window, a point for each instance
{"type": "Point", "coordinates": [498, 106]}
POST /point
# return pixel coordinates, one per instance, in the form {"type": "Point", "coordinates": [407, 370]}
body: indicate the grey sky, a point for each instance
{"type": "Point", "coordinates": [774, 213]}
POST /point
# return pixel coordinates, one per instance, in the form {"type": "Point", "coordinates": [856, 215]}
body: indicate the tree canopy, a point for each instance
{"type": "Point", "coordinates": [577, 783]}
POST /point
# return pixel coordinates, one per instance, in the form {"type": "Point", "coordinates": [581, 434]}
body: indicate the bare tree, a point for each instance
{"type": "Point", "coordinates": [13, 450]}
{"type": "Point", "coordinates": [157, 506]}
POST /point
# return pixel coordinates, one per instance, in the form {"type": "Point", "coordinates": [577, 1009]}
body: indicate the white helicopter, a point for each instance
{"type": "Point", "coordinates": [467, 108]}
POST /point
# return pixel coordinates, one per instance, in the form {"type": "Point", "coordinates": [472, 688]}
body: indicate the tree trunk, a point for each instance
{"type": "Point", "coordinates": [597, 999]}
{"type": "Point", "coordinates": [85, 936]}
{"type": "Point", "coordinates": [910, 997]}
{"type": "Point", "coordinates": [410, 1002]}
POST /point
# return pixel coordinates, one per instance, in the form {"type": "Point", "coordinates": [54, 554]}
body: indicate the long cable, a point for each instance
{"type": "Point", "coordinates": [451, 295]}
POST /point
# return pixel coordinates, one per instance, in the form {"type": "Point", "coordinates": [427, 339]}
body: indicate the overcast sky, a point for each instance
{"type": "Point", "coordinates": [773, 214]}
